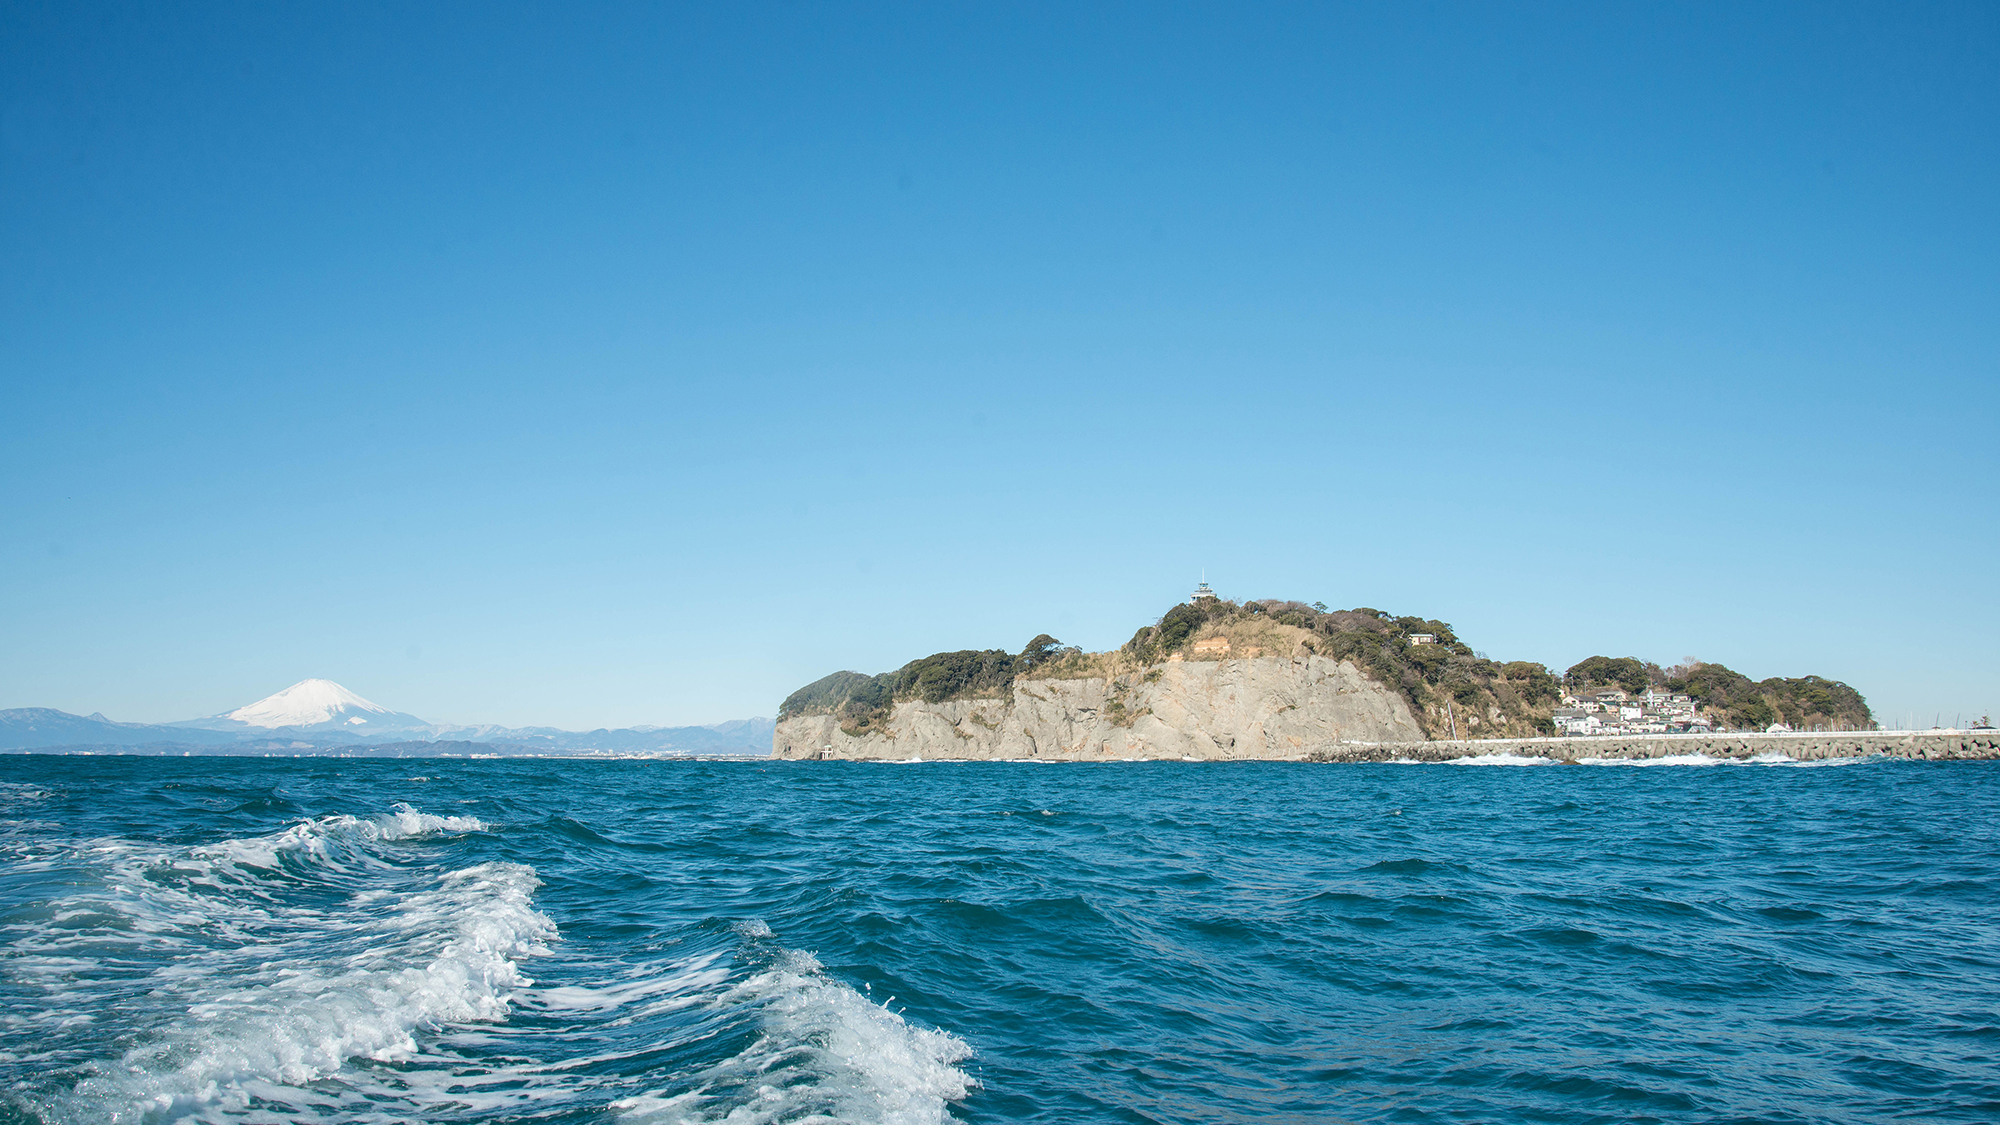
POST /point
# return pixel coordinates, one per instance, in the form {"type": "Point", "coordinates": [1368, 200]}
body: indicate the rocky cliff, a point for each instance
{"type": "Point", "coordinates": [1261, 706]}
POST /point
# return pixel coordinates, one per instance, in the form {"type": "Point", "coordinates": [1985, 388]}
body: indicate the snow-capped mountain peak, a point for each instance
{"type": "Point", "coordinates": [307, 703]}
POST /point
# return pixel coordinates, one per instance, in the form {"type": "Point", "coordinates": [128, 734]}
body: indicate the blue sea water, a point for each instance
{"type": "Point", "coordinates": [311, 940]}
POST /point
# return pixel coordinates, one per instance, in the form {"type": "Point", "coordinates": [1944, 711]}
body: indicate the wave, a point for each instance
{"type": "Point", "coordinates": [823, 1053]}
{"type": "Point", "coordinates": [342, 970]}
{"type": "Point", "coordinates": [253, 963]}
{"type": "Point", "coordinates": [1665, 760]}
{"type": "Point", "coordinates": [17, 792]}
{"type": "Point", "coordinates": [330, 838]}
{"type": "Point", "coordinates": [1767, 759]}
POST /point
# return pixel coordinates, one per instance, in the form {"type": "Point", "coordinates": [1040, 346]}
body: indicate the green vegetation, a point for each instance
{"type": "Point", "coordinates": [863, 702]}
{"type": "Point", "coordinates": [860, 701]}
{"type": "Point", "coordinates": [1622, 672]}
{"type": "Point", "coordinates": [1737, 701]}
{"type": "Point", "coordinates": [1802, 703]}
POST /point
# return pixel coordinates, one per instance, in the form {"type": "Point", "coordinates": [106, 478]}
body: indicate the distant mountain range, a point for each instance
{"type": "Point", "coordinates": [322, 715]}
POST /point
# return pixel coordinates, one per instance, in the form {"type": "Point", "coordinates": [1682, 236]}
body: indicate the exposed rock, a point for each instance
{"type": "Point", "coordinates": [1259, 707]}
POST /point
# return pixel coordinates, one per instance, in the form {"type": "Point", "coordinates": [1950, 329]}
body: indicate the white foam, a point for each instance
{"type": "Point", "coordinates": [284, 1015]}
{"type": "Point", "coordinates": [652, 992]}
{"type": "Point", "coordinates": [1765, 759]}
{"type": "Point", "coordinates": [22, 793]}
{"type": "Point", "coordinates": [825, 1054]}
{"type": "Point", "coordinates": [1667, 760]}
{"type": "Point", "coordinates": [263, 982]}
{"type": "Point", "coordinates": [1500, 760]}
{"type": "Point", "coordinates": [279, 995]}
{"type": "Point", "coordinates": [332, 838]}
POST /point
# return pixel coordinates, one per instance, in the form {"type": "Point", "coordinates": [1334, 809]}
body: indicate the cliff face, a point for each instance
{"type": "Point", "coordinates": [1262, 707]}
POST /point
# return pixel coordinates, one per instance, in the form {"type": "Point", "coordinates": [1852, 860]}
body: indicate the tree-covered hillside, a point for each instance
{"type": "Point", "coordinates": [1450, 688]}
{"type": "Point", "coordinates": [863, 702]}
{"type": "Point", "coordinates": [1802, 702]}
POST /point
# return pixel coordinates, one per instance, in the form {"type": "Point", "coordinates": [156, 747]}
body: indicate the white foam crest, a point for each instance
{"type": "Point", "coordinates": [403, 823]}
{"type": "Point", "coordinates": [1765, 759]}
{"type": "Point", "coordinates": [1666, 760]}
{"type": "Point", "coordinates": [328, 838]}
{"type": "Point", "coordinates": [21, 793]}
{"type": "Point", "coordinates": [1815, 763]}
{"type": "Point", "coordinates": [469, 1071]}
{"type": "Point", "coordinates": [293, 1011]}
{"type": "Point", "coordinates": [1500, 760]}
{"type": "Point", "coordinates": [825, 1054]}
{"type": "Point", "coordinates": [654, 992]}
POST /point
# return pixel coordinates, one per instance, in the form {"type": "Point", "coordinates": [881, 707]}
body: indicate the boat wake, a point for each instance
{"type": "Point", "coordinates": [351, 969]}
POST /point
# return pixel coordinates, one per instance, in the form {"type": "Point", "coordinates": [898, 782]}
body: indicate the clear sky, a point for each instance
{"type": "Point", "coordinates": [600, 364]}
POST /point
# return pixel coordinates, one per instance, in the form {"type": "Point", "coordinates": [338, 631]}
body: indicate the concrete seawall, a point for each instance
{"type": "Point", "coordinates": [1936, 746]}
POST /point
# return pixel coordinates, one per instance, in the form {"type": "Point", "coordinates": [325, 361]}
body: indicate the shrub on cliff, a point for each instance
{"type": "Point", "coordinates": [1624, 672]}
{"type": "Point", "coordinates": [824, 694]}
{"type": "Point", "coordinates": [1155, 642]}
{"type": "Point", "coordinates": [1040, 651]}
{"type": "Point", "coordinates": [862, 703]}
{"type": "Point", "coordinates": [948, 675]}
{"type": "Point", "coordinates": [1533, 682]}
{"type": "Point", "coordinates": [1804, 702]}
{"type": "Point", "coordinates": [858, 701]}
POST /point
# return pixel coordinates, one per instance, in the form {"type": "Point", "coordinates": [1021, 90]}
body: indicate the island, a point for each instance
{"type": "Point", "coordinates": [1216, 679]}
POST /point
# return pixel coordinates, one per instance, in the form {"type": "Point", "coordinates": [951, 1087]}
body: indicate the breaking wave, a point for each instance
{"type": "Point", "coordinates": [249, 963]}
{"type": "Point", "coordinates": [822, 1052]}
{"type": "Point", "coordinates": [348, 968]}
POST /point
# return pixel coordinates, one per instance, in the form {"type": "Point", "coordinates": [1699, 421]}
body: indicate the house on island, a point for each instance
{"type": "Point", "coordinates": [1611, 711]}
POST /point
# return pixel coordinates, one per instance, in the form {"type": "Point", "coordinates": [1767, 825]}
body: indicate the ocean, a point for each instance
{"type": "Point", "coordinates": [652, 942]}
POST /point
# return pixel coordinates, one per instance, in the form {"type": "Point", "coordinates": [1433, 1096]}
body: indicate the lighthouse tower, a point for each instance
{"type": "Point", "coordinates": [1202, 592]}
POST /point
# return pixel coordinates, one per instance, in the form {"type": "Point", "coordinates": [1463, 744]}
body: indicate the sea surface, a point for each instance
{"type": "Point", "coordinates": [314, 940]}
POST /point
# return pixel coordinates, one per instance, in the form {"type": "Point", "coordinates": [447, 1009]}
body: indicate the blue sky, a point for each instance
{"type": "Point", "coordinates": [613, 364]}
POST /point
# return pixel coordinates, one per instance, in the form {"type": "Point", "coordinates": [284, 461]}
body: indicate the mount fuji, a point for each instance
{"type": "Point", "coordinates": [319, 707]}
{"type": "Point", "coordinates": [320, 716]}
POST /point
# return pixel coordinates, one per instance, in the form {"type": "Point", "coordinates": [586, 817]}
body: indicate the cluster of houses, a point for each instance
{"type": "Point", "coordinates": [1611, 711]}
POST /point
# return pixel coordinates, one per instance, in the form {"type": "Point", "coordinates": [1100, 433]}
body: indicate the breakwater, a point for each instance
{"type": "Point", "coordinates": [1943, 746]}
